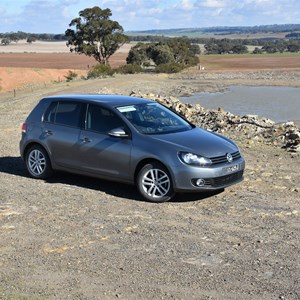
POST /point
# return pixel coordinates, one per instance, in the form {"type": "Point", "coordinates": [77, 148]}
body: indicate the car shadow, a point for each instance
{"type": "Point", "coordinates": [16, 166]}
{"type": "Point", "coordinates": [197, 196]}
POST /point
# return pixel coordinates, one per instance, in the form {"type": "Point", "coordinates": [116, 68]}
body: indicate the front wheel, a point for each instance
{"type": "Point", "coordinates": [38, 163]}
{"type": "Point", "coordinates": [154, 183]}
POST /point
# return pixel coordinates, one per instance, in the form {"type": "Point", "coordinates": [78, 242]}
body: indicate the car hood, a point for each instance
{"type": "Point", "coordinates": [199, 141]}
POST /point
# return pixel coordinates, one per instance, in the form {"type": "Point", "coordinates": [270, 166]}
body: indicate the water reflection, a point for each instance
{"type": "Point", "coordinates": [280, 104]}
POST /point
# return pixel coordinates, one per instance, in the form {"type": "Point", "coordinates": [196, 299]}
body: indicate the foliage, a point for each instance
{"type": "Point", "coordinates": [30, 39]}
{"type": "Point", "coordinates": [169, 68]}
{"type": "Point", "coordinates": [184, 51]}
{"type": "Point", "coordinates": [293, 47]}
{"type": "Point", "coordinates": [160, 53]}
{"type": "Point", "coordinates": [95, 35]}
{"type": "Point", "coordinates": [99, 71]}
{"type": "Point", "coordinates": [173, 54]}
{"type": "Point", "coordinates": [129, 69]}
{"type": "Point", "coordinates": [224, 46]}
{"type": "Point", "coordinates": [5, 41]}
{"type": "Point", "coordinates": [293, 35]}
{"type": "Point", "coordinates": [257, 51]}
{"type": "Point", "coordinates": [138, 55]}
{"type": "Point", "coordinates": [71, 76]}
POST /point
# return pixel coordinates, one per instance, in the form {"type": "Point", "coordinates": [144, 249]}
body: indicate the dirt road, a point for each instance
{"type": "Point", "coordinates": [80, 238]}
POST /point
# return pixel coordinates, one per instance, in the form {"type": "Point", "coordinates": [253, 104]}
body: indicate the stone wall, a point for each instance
{"type": "Point", "coordinates": [285, 135]}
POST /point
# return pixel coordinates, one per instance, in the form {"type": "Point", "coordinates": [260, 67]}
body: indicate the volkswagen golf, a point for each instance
{"type": "Point", "coordinates": [127, 139]}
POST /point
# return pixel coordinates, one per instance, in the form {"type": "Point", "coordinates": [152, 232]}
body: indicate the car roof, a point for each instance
{"type": "Point", "coordinates": [110, 100]}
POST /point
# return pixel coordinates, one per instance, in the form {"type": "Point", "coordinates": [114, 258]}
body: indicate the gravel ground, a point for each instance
{"type": "Point", "coordinates": [75, 237]}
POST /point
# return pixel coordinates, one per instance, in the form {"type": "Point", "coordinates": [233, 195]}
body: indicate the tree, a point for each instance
{"type": "Point", "coordinates": [171, 55]}
{"type": "Point", "coordinates": [30, 39]}
{"type": "Point", "coordinates": [95, 35]}
{"type": "Point", "coordinates": [5, 41]}
{"type": "Point", "coordinates": [257, 51]}
{"type": "Point", "coordinates": [239, 49]}
{"type": "Point", "coordinates": [160, 53]}
{"type": "Point", "coordinates": [183, 51]}
{"type": "Point", "coordinates": [293, 47]}
{"type": "Point", "coordinates": [138, 55]}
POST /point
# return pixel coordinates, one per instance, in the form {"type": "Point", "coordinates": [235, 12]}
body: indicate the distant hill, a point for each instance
{"type": "Point", "coordinates": [219, 30]}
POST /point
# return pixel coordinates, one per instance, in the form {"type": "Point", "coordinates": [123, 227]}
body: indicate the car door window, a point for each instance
{"type": "Point", "coordinates": [64, 113]}
{"type": "Point", "coordinates": [102, 120]}
{"type": "Point", "coordinates": [69, 113]}
{"type": "Point", "coordinates": [49, 115]}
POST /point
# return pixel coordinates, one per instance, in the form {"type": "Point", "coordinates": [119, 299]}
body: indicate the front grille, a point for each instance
{"type": "Point", "coordinates": [223, 159]}
{"type": "Point", "coordinates": [225, 180]}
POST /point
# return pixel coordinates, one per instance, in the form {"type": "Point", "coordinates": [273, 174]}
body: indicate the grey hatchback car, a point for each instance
{"type": "Point", "coordinates": [127, 139]}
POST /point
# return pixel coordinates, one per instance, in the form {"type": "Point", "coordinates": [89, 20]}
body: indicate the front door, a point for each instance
{"type": "Point", "coordinates": [100, 153]}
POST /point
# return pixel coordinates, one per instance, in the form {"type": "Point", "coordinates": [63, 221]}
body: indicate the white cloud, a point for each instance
{"type": "Point", "coordinates": [214, 3]}
{"type": "Point", "coordinates": [186, 5]}
{"type": "Point", "coordinates": [53, 16]}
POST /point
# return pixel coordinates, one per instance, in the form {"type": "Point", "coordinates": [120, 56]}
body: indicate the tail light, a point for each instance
{"type": "Point", "coordinates": [24, 127]}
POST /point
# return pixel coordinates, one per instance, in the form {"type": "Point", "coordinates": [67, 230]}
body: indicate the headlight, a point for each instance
{"type": "Point", "coordinates": [194, 160]}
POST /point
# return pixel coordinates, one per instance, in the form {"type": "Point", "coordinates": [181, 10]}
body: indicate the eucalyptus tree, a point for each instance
{"type": "Point", "coordinates": [95, 34]}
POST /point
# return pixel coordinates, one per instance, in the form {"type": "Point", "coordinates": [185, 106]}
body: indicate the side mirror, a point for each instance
{"type": "Point", "coordinates": [118, 132]}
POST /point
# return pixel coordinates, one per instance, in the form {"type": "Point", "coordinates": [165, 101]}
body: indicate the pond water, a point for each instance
{"type": "Point", "coordinates": [280, 104]}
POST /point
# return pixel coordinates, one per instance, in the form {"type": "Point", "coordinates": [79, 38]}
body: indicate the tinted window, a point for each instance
{"type": "Point", "coordinates": [64, 113]}
{"type": "Point", "coordinates": [49, 115]}
{"type": "Point", "coordinates": [102, 120]}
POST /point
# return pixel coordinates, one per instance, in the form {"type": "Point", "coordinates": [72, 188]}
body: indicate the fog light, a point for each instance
{"type": "Point", "coordinates": [200, 182]}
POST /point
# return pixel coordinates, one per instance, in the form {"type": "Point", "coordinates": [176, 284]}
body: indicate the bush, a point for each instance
{"type": "Point", "coordinates": [100, 70]}
{"type": "Point", "coordinates": [71, 75]}
{"type": "Point", "coordinates": [129, 69]}
{"type": "Point", "coordinates": [169, 68]}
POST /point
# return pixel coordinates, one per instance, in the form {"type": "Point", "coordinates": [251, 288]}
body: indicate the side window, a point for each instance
{"type": "Point", "coordinates": [102, 120]}
{"type": "Point", "coordinates": [68, 113]}
{"type": "Point", "coordinates": [49, 115]}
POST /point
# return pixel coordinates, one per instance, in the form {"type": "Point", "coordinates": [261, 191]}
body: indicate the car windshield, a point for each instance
{"type": "Point", "coordinates": [153, 118]}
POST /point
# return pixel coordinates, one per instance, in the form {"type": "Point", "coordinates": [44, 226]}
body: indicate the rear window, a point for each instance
{"type": "Point", "coordinates": [64, 113]}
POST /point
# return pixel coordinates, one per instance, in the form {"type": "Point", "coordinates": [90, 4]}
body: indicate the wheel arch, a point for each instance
{"type": "Point", "coordinates": [33, 143]}
{"type": "Point", "coordinates": [146, 161]}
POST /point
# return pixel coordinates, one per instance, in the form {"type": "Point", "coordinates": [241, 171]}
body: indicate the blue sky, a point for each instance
{"type": "Point", "coordinates": [53, 16]}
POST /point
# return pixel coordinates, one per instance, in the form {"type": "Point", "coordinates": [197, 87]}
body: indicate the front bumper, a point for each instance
{"type": "Point", "coordinates": [212, 178]}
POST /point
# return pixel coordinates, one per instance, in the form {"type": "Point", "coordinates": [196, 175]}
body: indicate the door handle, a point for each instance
{"type": "Point", "coordinates": [85, 140]}
{"type": "Point", "coordinates": [48, 132]}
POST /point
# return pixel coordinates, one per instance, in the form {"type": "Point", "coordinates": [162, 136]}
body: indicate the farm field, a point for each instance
{"type": "Point", "coordinates": [24, 65]}
{"type": "Point", "coordinates": [40, 65]}
{"type": "Point", "coordinates": [244, 62]}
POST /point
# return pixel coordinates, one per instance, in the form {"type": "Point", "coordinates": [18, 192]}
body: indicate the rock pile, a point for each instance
{"type": "Point", "coordinates": [286, 135]}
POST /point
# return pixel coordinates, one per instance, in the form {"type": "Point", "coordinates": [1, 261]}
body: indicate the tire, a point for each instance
{"type": "Point", "coordinates": [38, 163]}
{"type": "Point", "coordinates": [155, 183]}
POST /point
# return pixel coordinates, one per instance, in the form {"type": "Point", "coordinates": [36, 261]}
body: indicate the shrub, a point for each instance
{"type": "Point", "coordinates": [71, 75]}
{"type": "Point", "coordinates": [100, 70]}
{"type": "Point", "coordinates": [169, 68]}
{"type": "Point", "coordinates": [129, 69]}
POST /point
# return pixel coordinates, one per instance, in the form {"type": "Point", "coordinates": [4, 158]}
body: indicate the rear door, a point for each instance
{"type": "Point", "coordinates": [61, 130]}
{"type": "Point", "coordinates": [100, 153]}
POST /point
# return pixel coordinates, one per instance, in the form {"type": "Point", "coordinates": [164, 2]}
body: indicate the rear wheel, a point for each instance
{"type": "Point", "coordinates": [38, 163]}
{"type": "Point", "coordinates": [154, 183]}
